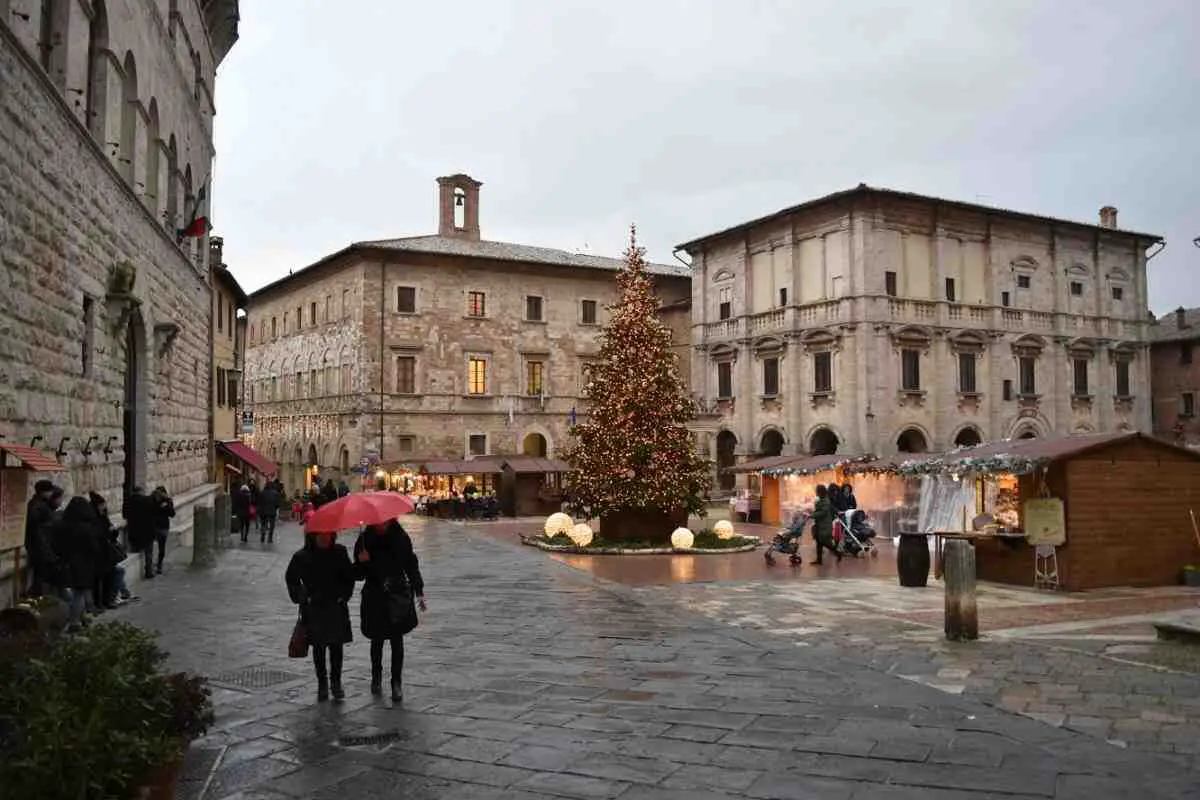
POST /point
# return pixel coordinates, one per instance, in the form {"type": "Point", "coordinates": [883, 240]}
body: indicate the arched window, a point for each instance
{"type": "Point", "coordinates": [968, 437]}
{"type": "Point", "coordinates": [53, 20]}
{"type": "Point", "coordinates": [127, 151]}
{"type": "Point", "coordinates": [771, 443]}
{"type": "Point", "coordinates": [911, 440]}
{"type": "Point", "coordinates": [171, 215]}
{"type": "Point", "coordinates": [156, 185]}
{"type": "Point", "coordinates": [823, 442]}
{"type": "Point", "coordinates": [96, 104]}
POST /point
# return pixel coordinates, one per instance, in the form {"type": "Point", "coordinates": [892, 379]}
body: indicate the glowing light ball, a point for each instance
{"type": "Point", "coordinates": [682, 539]}
{"type": "Point", "coordinates": [558, 523]}
{"type": "Point", "coordinates": [723, 529]}
{"type": "Point", "coordinates": [581, 535]}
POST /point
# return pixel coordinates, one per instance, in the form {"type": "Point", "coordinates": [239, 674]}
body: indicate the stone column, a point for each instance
{"type": "Point", "coordinates": [203, 538]}
{"type": "Point", "coordinates": [222, 512]}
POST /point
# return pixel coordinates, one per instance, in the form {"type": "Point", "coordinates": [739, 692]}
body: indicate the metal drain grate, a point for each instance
{"type": "Point", "coordinates": [256, 678]}
{"type": "Point", "coordinates": [374, 740]}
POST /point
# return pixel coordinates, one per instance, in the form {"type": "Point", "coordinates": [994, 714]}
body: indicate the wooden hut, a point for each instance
{"type": "Point", "coordinates": [783, 480]}
{"type": "Point", "coordinates": [1127, 503]}
{"type": "Point", "coordinates": [531, 486]}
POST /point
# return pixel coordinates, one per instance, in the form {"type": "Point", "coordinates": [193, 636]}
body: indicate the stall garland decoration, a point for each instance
{"type": "Point", "coordinates": [1000, 463]}
{"type": "Point", "coordinates": [776, 472]}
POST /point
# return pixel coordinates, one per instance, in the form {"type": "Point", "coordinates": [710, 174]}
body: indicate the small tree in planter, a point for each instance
{"type": "Point", "coordinates": [635, 465]}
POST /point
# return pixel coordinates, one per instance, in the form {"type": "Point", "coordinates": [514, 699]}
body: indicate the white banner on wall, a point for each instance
{"type": "Point", "coordinates": [945, 503]}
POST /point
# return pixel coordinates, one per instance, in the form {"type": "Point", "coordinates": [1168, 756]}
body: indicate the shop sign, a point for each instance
{"type": "Point", "coordinates": [1045, 522]}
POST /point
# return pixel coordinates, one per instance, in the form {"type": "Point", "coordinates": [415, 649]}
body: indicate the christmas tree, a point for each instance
{"type": "Point", "coordinates": [635, 466]}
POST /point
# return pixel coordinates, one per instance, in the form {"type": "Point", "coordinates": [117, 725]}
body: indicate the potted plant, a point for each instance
{"type": "Point", "coordinates": [185, 713]}
{"type": "Point", "coordinates": [1191, 575]}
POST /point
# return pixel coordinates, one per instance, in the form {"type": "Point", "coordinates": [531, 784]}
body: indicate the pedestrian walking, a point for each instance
{"type": "Point", "coordinates": [39, 514]}
{"type": "Point", "coordinates": [268, 510]}
{"type": "Point", "coordinates": [164, 512]}
{"type": "Point", "coordinates": [138, 511]}
{"type": "Point", "coordinates": [320, 580]}
{"type": "Point", "coordinates": [241, 511]}
{"type": "Point", "coordinates": [111, 588]}
{"type": "Point", "coordinates": [822, 517]}
{"type": "Point", "coordinates": [384, 558]}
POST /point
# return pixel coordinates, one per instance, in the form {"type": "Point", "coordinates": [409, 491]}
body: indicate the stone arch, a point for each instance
{"type": "Point", "coordinates": [823, 441]}
{"type": "Point", "coordinates": [534, 444]}
{"type": "Point", "coordinates": [136, 405]}
{"type": "Point", "coordinates": [314, 376]}
{"type": "Point", "coordinates": [297, 375]}
{"type": "Point", "coordinates": [127, 155]}
{"type": "Point", "coordinates": [155, 188]}
{"type": "Point", "coordinates": [326, 455]}
{"type": "Point", "coordinates": [344, 460]}
{"type": "Point", "coordinates": [968, 436]}
{"type": "Point", "coordinates": [1027, 428]}
{"type": "Point", "coordinates": [912, 439]}
{"type": "Point", "coordinates": [1024, 262]}
{"type": "Point", "coordinates": [727, 443]}
{"type": "Point", "coordinates": [771, 441]}
{"type": "Point", "coordinates": [311, 457]}
{"type": "Point", "coordinates": [1078, 271]}
{"type": "Point", "coordinates": [98, 67]}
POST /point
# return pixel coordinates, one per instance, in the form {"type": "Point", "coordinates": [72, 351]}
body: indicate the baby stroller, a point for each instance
{"type": "Point", "coordinates": [853, 534]}
{"type": "Point", "coordinates": [787, 542]}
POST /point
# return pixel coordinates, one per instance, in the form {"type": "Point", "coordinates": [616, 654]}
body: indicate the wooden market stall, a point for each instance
{"type": "Point", "coordinates": [531, 486]}
{"type": "Point", "coordinates": [1072, 512]}
{"type": "Point", "coordinates": [788, 483]}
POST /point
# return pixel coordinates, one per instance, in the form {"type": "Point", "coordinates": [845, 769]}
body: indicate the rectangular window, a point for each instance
{"type": "Point", "coordinates": [1123, 389]}
{"type": "Point", "coordinates": [299, 384]}
{"type": "Point", "coordinates": [1005, 300]}
{"type": "Point", "coordinates": [345, 304]}
{"type": "Point", "coordinates": [1185, 352]}
{"type": "Point", "coordinates": [477, 444]}
{"type": "Point", "coordinates": [910, 370]}
{"type": "Point", "coordinates": [232, 320]}
{"type": "Point", "coordinates": [221, 387]}
{"type": "Point", "coordinates": [406, 444]}
{"type": "Point", "coordinates": [1024, 281]}
{"type": "Point", "coordinates": [220, 315]}
{"type": "Point", "coordinates": [232, 395]}
{"type": "Point", "coordinates": [1027, 367]}
{"type": "Point", "coordinates": [314, 381]}
{"type": "Point", "coordinates": [1118, 293]}
{"type": "Point", "coordinates": [783, 296]}
{"type": "Point", "coordinates": [725, 304]}
{"type": "Point", "coordinates": [770, 377]}
{"type": "Point", "coordinates": [889, 283]}
{"type": "Point", "coordinates": [533, 308]}
{"type": "Point", "coordinates": [476, 304]}
{"type": "Point", "coordinates": [1187, 404]}
{"type": "Point", "coordinates": [1079, 370]}
{"type": "Point", "coordinates": [299, 317]}
{"type": "Point", "coordinates": [329, 308]}
{"type": "Point", "coordinates": [286, 320]}
{"type": "Point", "coordinates": [823, 372]}
{"type": "Point", "coordinates": [725, 380]}
{"type": "Point", "coordinates": [312, 313]}
{"type": "Point", "coordinates": [534, 374]}
{"type": "Point", "coordinates": [1008, 390]}
{"type": "Point", "coordinates": [587, 310]}
{"type": "Point", "coordinates": [88, 345]}
{"type": "Point", "coordinates": [406, 375]}
{"type": "Point", "coordinates": [1076, 289]}
{"type": "Point", "coordinates": [406, 299]}
{"type": "Point", "coordinates": [966, 373]}
{"type": "Point", "coordinates": [950, 294]}
{"type": "Point", "coordinates": [477, 375]}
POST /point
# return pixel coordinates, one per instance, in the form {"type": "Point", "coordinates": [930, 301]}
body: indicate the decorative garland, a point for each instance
{"type": "Point", "coordinates": [775, 472]}
{"type": "Point", "coordinates": [952, 464]}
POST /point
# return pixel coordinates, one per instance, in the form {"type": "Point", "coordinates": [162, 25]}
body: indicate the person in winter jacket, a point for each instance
{"type": "Point", "coordinates": [268, 510]}
{"type": "Point", "coordinates": [241, 509]}
{"type": "Point", "coordinates": [43, 563]}
{"type": "Point", "coordinates": [164, 511]}
{"type": "Point", "coordinates": [385, 559]}
{"type": "Point", "coordinates": [822, 517]}
{"type": "Point", "coordinates": [138, 511]}
{"type": "Point", "coordinates": [320, 580]}
{"type": "Point", "coordinates": [111, 587]}
{"type": "Point", "coordinates": [75, 541]}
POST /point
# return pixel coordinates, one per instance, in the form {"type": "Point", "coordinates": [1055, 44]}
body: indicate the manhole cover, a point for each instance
{"type": "Point", "coordinates": [256, 678]}
{"type": "Point", "coordinates": [374, 740]}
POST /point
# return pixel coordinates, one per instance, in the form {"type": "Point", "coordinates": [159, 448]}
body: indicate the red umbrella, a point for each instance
{"type": "Point", "coordinates": [357, 510]}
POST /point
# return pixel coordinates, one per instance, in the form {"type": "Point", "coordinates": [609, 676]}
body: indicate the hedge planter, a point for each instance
{"type": "Point", "coordinates": [745, 544]}
{"type": "Point", "coordinates": [642, 524]}
{"type": "Point", "coordinates": [163, 783]}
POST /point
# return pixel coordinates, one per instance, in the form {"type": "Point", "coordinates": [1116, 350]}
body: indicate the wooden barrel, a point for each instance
{"type": "Point", "coordinates": [912, 559]}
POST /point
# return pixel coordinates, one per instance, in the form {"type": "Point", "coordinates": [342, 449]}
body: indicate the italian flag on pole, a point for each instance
{"type": "Point", "coordinates": [196, 225]}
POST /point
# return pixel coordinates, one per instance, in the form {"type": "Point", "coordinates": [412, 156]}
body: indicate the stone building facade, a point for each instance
{"type": "Point", "coordinates": [106, 110]}
{"type": "Point", "coordinates": [447, 346]}
{"type": "Point", "coordinates": [1175, 375]}
{"type": "Point", "coordinates": [229, 358]}
{"type": "Point", "coordinates": [876, 321]}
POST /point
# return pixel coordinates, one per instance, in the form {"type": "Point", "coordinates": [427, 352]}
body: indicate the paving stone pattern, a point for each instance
{"type": "Point", "coordinates": [528, 679]}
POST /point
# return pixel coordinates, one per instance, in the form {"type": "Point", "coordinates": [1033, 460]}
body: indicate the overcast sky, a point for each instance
{"type": "Point", "coordinates": [686, 116]}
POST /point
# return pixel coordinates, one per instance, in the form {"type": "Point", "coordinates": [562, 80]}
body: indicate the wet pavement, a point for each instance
{"type": "Point", "coordinates": [530, 679]}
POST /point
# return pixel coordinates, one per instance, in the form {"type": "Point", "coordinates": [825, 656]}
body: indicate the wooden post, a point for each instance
{"type": "Point", "coordinates": [962, 616]}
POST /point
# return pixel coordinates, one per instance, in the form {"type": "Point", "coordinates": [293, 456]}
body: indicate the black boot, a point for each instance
{"type": "Point", "coordinates": [335, 673]}
{"type": "Point", "coordinates": [322, 674]}
{"type": "Point", "coordinates": [322, 690]}
{"type": "Point", "coordinates": [376, 680]}
{"type": "Point", "coordinates": [335, 688]}
{"type": "Point", "coordinates": [397, 692]}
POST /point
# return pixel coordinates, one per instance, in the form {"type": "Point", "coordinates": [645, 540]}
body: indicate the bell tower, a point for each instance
{"type": "Point", "coordinates": [458, 207]}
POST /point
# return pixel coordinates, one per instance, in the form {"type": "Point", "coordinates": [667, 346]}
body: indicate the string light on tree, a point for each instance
{"type": "Point", "coordinates": [634, 450]}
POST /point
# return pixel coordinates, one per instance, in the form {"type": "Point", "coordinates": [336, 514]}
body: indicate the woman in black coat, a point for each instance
{"type": "Point", "coordinates": [385, 559]}
{"type": "Point", "coordinates": [74, 539]}
{"type": "Point", "coordinates": [320, 579]}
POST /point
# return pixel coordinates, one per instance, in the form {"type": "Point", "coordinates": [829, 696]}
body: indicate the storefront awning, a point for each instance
{"type": "Point", "coordinates": [30, 458]}
{"type": "Point", "coordinates": [526, 465]}
{"type": "Point", "coordinates": [758, 464]}
{"type": "Point", "coordinates": [250, 457]}
{"type": "Point", "coordinates": [810, 465]}
{"type": "Point", "coordinates": [480, 466]}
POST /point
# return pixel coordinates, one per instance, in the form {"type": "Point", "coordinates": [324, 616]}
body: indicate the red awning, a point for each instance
{"type": "Point", "coordinates": [250, 457]}
{"type": "Point", "coordinates": [31, 458]}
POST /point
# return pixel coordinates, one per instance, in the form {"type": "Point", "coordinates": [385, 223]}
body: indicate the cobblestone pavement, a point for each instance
{"type": "Point", "coordinates": [528, 679]}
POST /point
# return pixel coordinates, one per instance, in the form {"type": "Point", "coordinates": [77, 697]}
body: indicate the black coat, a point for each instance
{"type": "Point", "coordinates": [164, 510]}
{"type": "Point", "coordinates": [39, 521]}
{"type": "Point", "coordinates": [139, 521]}
{"type": "Point", "coordinates": [392, 563]}
{"type": "Point", "coordinates": [321, 582]}
{"type": "Point", "coordinates": [268, 502]}
{"type": "Point", "coordinates": [76, 540]}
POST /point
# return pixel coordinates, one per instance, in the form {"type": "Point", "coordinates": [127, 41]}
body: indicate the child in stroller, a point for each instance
{"type": "Point", "coordinates": [787, 541]}
{"type": "Point", "coordinates": [853, 533]}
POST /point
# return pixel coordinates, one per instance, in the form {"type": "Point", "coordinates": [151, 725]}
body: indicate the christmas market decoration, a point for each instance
{"type": "Point", "coordinates": [957, 465]}
{"type": "Point", "coordinates": [558, 524]}
{"type": "Point", "coordinates": [682, 539]}
{"type": "Point", "coordinates": [813, 466]}
{"type": "Point", "coordinates": [723, 529]}
{"type": "Point", "coordinates": [634, 459]}
{"type": "Point", "coordinates": [581, 535]}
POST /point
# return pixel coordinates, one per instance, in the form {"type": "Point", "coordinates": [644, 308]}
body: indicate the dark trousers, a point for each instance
{"type": "Point", "coordinates": [244, 525]}
{"type": "Point", "coordinates": [331, 669]}
{"type": "Point", "coordinates": [397, 658]}
{"type": "Point", "coordinates": [148, 560]}
{"type": "Point", "coordinates": [266, 527]}
{"type": "Point", "coordinates": [161, 538]}
{"type": "Point", "coordinates": [825, 543]}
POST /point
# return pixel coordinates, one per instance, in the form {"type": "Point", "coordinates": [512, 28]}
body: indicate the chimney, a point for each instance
{"type": "Point", "coordinates": [1108, 217]}
{"type": "Point", "coordinates": [216, 251]}
{"type": "Point", "coordinates": [458, 207]}
{"type": "Point", "coordinates": [1180, 318]}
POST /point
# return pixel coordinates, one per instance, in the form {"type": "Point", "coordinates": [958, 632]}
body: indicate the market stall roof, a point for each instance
{"type": "Point", "coordinates": [754, 465]}
{"type": "Point", "coordinates": [478, 466]}
{"type": "Point", "coordinates": [889, 463]}
{"type": "Point", "coordinates": [30, 457]}
{"type": "Point", "coordinates": [810, 465]}
{"type": "Point", "coordinates": [250, 457]}
{"type": "Point", "coordinates": [1013, 456]}
{"type": "Point", "coordinates": [524, 465]}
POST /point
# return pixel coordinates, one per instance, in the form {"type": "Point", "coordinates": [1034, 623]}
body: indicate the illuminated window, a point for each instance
{"type": "Point", "coordinates": [534, 373]}
{"type": "Point", "coordinates": [477, 375]}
